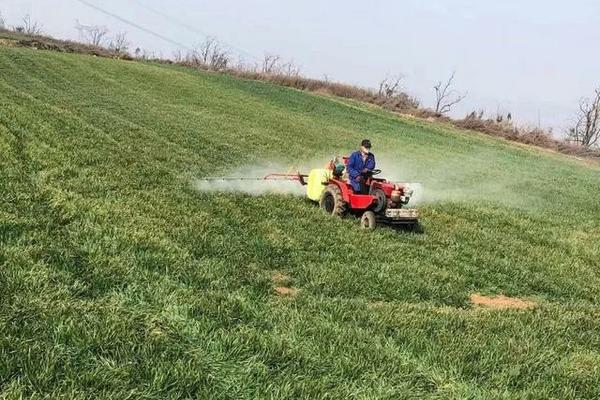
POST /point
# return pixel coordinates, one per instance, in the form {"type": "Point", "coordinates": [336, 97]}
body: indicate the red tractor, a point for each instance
{"type": "Point", "coordinates": [382, 202]}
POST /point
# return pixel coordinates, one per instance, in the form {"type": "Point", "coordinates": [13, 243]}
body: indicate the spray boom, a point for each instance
{"type": "Point", "coordinates": [270, 177]}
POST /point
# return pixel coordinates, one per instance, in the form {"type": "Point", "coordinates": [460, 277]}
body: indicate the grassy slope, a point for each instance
{"type": "Point", "coordinates": [119, 278]}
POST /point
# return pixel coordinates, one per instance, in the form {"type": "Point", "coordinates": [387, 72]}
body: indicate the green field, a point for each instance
{"type": "Point", "coordinates": [120, 279]}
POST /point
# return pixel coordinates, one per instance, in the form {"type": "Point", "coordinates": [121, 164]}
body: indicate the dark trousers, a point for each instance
{"type": "Point", "coordinates": [364, 188]}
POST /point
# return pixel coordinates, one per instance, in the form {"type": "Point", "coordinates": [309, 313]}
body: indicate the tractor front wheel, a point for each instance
{"type": "Point", "coordinates": [368, 221]}
{"type": "Point", "coordinates": [381, 200]}
{"type": "Point", "coordinates": [332, 201]}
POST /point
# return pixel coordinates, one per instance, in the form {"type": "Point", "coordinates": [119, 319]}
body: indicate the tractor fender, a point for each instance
{"type": "Point", "coordinates": [343, 188]}
{"type": "Point", "coordinates": [361, 201]}
{"type": "Point", "coordinates": [355, 201]}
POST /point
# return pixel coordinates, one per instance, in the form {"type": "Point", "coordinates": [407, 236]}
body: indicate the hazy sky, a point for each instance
{"type": "Point", "coordinates": [526, 56]}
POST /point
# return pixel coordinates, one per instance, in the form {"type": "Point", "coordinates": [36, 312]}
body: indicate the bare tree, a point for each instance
{"type": "Point", "coordinates": [210, 54]}
{"type": "Point", "coordinates": [92, 34]}
{"type": "Point", "coordinates": [445, 96]}
{"type": "Point", "coordinates": [290, 69]}
{"type": "Point", "coordinates": [475, 115]}
{"type": "Point", "coordinates": [271, 64]}
{"type": "Point", "coordinates": [390, 87]}
{"type": "Point", "coordinates": [219, 59]}
{"type": "Point", "coordinates": [178, 56]}
{"type": "Point", "coordinates": [2, 23]}
{"type": "Point", "coordinates": [143, 54]}
{"type": "Point", "coordinates": [119, 43]}
{"type": "Point", "coordinates": [274, 64]}
{"type": "Point", "coordinates": [586, 131]}
{"type": "Point", "coordinates": [30, 27]}
{"type": "Point", "coordinates": [205, 50]}
{"type": "Point", "coordinates": [242, 65]}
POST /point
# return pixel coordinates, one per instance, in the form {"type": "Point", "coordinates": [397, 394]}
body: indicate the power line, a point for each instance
{"type": "Point", "coordinates": [192, 28]}
{"type": "Point", "coordinates": [128, 22]}
{"type": "Point", "coordinates": [158, 35]}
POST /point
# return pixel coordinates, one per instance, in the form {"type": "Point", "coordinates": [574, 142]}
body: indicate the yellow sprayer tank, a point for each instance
{"type": "Point", "coordinates": [317, 180]}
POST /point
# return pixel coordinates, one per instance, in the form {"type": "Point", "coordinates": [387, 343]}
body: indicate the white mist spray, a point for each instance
{"type": "Point", "coordinates": [443, 178]}
{"type": "Point", "coordinates": [249, 180]}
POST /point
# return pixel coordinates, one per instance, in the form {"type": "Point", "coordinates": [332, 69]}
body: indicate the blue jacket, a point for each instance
{"type": "Point", "coordinates": [356, 165]}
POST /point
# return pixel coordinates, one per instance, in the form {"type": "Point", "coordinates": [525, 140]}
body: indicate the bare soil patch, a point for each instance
{"type": "Point", "coordinates": [501, 302]}
{"type": "Point", "coordinates": [280, 278]}
{"type": "Point", "coordinates": [377, 304]}
{"type": "Point", "coordinates": [286, 291]}
{"type": "Point", "coordinates": [7, 42]}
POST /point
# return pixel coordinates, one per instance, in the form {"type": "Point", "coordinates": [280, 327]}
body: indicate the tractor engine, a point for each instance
{"type": "Point", "coordinates": [389, 195]}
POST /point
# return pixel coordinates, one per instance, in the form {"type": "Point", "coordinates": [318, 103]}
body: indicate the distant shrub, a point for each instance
{"type": "Point", "coordinates": [67, 46]}
{"type": "Point", "coordinates": [399, 102]}
{"type": "Point", "coordinates": [533, 136]}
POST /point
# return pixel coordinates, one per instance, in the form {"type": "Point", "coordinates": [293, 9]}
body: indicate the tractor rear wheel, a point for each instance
{"type": "Point", "coordinates": [332, 201]}
{"type": "Point", "coordinates": [368, 220]}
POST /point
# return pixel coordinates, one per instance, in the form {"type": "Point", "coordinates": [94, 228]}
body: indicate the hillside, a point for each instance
{"type": "Point", "coordinates": [119, 278]}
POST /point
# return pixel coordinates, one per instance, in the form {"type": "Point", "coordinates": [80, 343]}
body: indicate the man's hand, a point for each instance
{"type": "Point", "coordinates": [365, 171]}
{"type": "Point", "coordinates": [359, 178]}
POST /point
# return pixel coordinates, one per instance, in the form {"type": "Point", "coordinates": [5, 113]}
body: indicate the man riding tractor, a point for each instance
{"type": "Point", "coordinates": [360, 167]}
